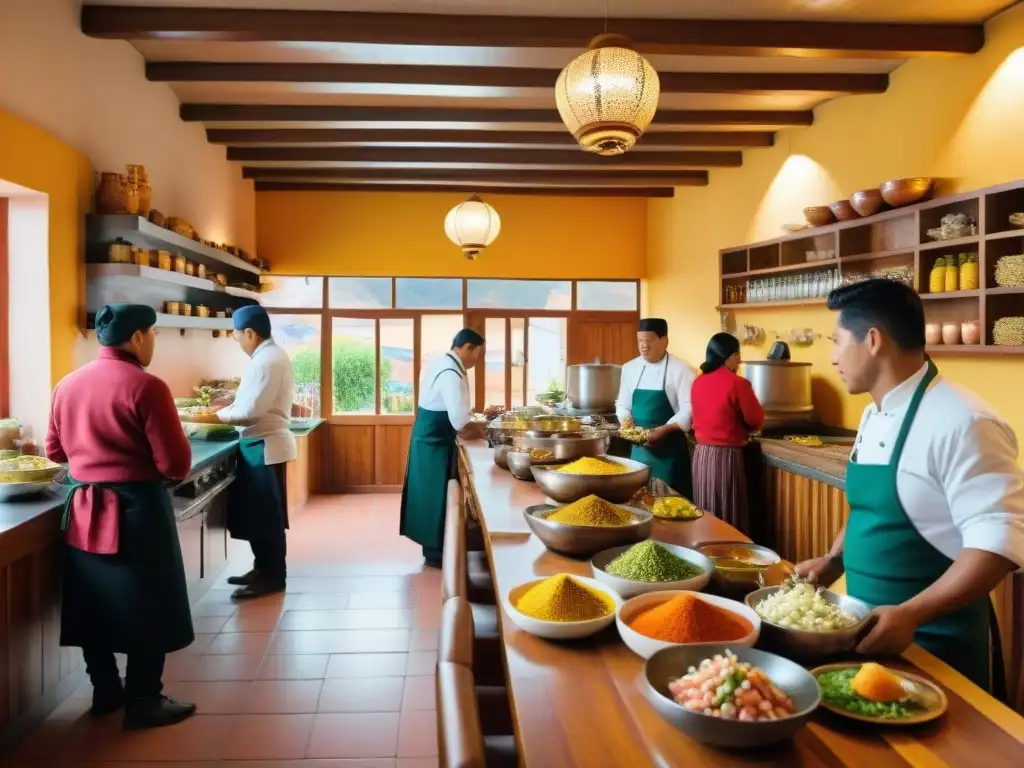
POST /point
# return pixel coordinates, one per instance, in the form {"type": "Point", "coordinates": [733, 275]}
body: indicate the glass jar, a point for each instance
{"type": "Point", "coordinates": [140, 256]}
{"type": "Point", "coordinates": [190, 269]}
{"type": "Point", "coordinates": [163, 260]}
{"type": "Point", "coordinates": [186, 310]}
{"type": "Point", "coordinates": [179, 264]}
{"type": "Point", "coordinates": [201, 271]}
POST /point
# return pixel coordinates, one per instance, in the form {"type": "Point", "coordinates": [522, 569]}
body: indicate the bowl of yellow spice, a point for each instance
{"type": "Point", "coordinates": [588, 525]}
{"type": "Point", "coordinates": [562, 607]}
{"type": "Point", "coordinates": [610, 477]}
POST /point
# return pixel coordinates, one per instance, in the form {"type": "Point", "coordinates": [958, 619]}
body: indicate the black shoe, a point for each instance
{"type": "Point", "coordinates": [258, 589]}
{"type": "Point", "coordinates": [107, 699]}
{"type": "Point", "coordinates": [432, 562]}
{"type": "Point", "coordinates": [156, 713]}
{"type": "Point", "coordinates": [244, 580]}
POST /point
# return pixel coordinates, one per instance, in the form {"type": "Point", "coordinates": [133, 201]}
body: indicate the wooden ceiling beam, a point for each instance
{"type": "Point", "coordinates": [728, 37]}
{"type": "Point", "coordinates": [742, 83]}
{"type": "Point", "coordinates": [625, 178]}
{"type": "Point", "coordinates": [554, 139]}
{"type": "Point", "coordinates": [483, 156]}
{"type": "Point", "coordinates": [314, 113]}
{"type": "Point", "coordinates": [298, 186]}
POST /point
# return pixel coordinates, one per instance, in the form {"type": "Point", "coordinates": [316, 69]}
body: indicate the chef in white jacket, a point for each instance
{"type": "Point", "coordinates": [257, 500]}
{"type": "Point", "coordinates": [654, 393]}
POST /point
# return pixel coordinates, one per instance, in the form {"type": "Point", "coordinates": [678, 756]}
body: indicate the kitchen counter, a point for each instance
{"type": "Point", "coordinates": [826, 464]}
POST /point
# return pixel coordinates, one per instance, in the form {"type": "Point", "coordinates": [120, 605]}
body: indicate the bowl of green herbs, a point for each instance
{"type": "Point", "coordinates": [651, 566]}
{"type": "Point", "coordinates": [923, 700]}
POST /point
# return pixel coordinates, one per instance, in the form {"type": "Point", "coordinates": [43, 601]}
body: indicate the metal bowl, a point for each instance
{"type": "Point", "coordinates": [567, 447]}
{"type": "Point", "coordinates": [586, 540]}
{"type": "Point", "coordinates": [617, 489]}
{"type": "Point", "coordinates": [501, 455]}
{"type": "Point", "coordinates": [811, 646]}
{"type": "Point", "coordinates": [519, 464]}
{"type": "Point", "coordinates": [672, 663]}
{"type": "Point", "coordinates": [731, 579]}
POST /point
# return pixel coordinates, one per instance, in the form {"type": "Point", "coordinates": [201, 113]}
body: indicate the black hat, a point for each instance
{"type": "Point", "coordinates": [252, 317]}
{"type": "Point", "coordinates": [116, 323]}
{"type": "Point", "coordinates": [654, 325]}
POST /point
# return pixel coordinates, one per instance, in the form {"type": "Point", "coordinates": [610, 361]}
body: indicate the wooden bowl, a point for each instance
{"type": "Point", "coordinates": [819, 215]}
{"type": "Point", "coordinates": [843, 211]}
{"type": "Point", "coordinates": [867, 202]}
{"type": "Point", "coordinates": [900, 192]}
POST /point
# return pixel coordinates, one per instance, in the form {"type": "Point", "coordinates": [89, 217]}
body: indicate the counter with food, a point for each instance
{"type": "Point", "coordinates": [577, 703]}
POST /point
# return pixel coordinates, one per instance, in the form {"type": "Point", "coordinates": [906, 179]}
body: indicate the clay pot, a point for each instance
{"type": "Point", "coordinates": [131, 196]}
{"type": "Point", "coordinates": [110, 194]}
{"type": "Point", "coordinates": [950, 333]}
{"type": "Point", "coordinates": [932, 334]}
{"type": "Point", "coordinates": [970, 331]}
{"type": "Point", "coordinates": [145, 199]}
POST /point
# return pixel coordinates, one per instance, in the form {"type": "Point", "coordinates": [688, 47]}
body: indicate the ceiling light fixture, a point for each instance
{"type": "Point", "coordinates": [472, 225]}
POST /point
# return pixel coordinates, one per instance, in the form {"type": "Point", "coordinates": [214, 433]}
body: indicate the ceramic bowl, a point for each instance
{"type": "Point", "coordinates": [646, 647]}
{"type": "Point", "coordinates": [843, 210]}
{"type": "Point", "coordinates": [867, 202]}
{"type": "Point", "coordinates": [560, 630]}
{"type": "Point", "coordinates": [629, 588]}
{"type": "Point", "coordinates": [900, 192]}
{"type": "Point", "coordinates": [819, 215]}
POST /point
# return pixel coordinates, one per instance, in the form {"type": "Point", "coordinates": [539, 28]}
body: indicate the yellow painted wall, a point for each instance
{"type": "Point", "coordinates": [401, 233]}
{"type": "Point", "coordinates": [957, 118]}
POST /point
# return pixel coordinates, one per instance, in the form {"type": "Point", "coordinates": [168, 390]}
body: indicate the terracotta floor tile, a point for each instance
{"type": "Point", "coordinates": [417, 736]}
{"type": "Point", "coordinates": [427, 616]}
{"type": "Point", "coordinates": [367, 665]}
{"type": "Point", "coordinates": [315, 602]}
{"type": "Point", "coordinates": [371, 763]}
{"type": "Point", "coordinates": [419, 762]}
{"type": "Point", "coordinates": [405, 599]}
{"type": "Point", "coordinates": [421, 663]}
{"type": "Point", "coordinates": [220, 698]}
{"type": "Point", "coordinates": [214, 609]}
{"type": "Point", "coordinates": [224, 668]}
{"type": "Point", "coordinates": [202, 737]}
{"type": "Point", "coordinates": [284, 697]}
{"type": "Point", "coordinates": [362, 694]}
{"type": "Point", "coordinates": [44, 742]}
{"type": "Point", "coordinates": [205, 624]}
{"type": "Point", "coordinates": [198, 646]}
{"type": "Point", "coordinates": [261, 619]}
{"type": "Point", "coordinates": [265, 737]}
{"type": "Point", "coordinates": [419, 693]}
{"type": "Point", "coordinates": [350, 736]}
{"type": "Point", "coordinates": [293, 667]}
{"type": "Point", "coordinates": [342, 641]}
{"type": "Point", "coordinates": [388, 618]}
{"type": "Point", "coordinates": [180, 667]}
{"type": "Point", "coordinates": [424, 640]}
{"type": "Point", "coordinates": [318, 586]}
{"type": "Point", "coordinates": [240, 643]}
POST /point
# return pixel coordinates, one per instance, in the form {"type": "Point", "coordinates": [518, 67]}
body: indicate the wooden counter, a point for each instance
{"type": "Point", "coordinates": [578, 704]}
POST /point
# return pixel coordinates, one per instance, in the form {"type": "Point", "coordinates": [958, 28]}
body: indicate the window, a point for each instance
{"type": "Point", "coordinates": [547, 354]}
{"type": "Point", "coordinates": [517, 359]}
{"type": "Point", "coordinates": [428, 293]}
{"type": "Point", "coordinates": [299, 336]}
{"type": "Point", "coordinates": [436, 334]}
{"type": "Point", "coordinates": [359, 292]}
{"type": "Point", "coordinates": [354, 365]}
{"type": "Point", "coordinates": [5, 384]}
{"type": "Point", "coordinates": [520, 294]}
{"type": "Point", "coordinates": [397, 394]}
{"type": "Point", "coordinates": [494, 361]}
{"type": "Point", "coordinates": [292, 292]}
{"type": "Point", "coordinates": [607, 296]}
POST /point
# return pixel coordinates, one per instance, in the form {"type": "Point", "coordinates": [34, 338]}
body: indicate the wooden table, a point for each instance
{"type": "Point", "coordinates": [579, 704]}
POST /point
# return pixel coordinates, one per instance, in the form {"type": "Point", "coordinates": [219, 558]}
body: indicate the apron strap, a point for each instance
{"type": "Point", "coordinates": [999, 690]}
{"type": "Point", "coordinates": [908, 420]}
{"type": "Point", "coordinates": [664, 376]}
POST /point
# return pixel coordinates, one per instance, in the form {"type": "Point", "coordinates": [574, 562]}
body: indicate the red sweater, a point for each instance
{"type": "Point", "coordinates": [725, 409]}
{"type": "Point", "coordinates": [113, 423]}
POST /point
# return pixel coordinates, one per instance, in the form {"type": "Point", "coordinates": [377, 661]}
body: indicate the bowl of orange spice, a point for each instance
{"type": "Point", "coordinates": [654, 621]}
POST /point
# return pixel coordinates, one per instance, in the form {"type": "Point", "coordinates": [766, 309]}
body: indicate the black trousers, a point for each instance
{"type": "Point", "coordinates": [143, 680]}
{"type": "Point", "coordinates": [270, 551]}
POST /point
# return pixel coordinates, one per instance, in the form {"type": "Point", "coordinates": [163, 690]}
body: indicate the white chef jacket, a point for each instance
{"type": "Point", "coordinates": [639, 374]}
{"type": "Point", "coordinates": [263, 404]}
{"type": "Point", "coordinates": [958, 479]}
{"type": "Point", "coordinates": [448, 392]}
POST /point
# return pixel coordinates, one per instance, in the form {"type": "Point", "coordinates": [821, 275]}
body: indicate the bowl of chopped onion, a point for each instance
{"type": "Point", "coordinates": [806, 622]}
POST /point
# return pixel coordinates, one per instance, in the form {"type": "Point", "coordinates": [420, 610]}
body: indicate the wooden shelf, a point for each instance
{"type": "Point", "coordinates": [955, 243]}
{"type": "Point", "coordinates": [775, 304]}
{"type": "Point", "coordinates": [950, 295]}
{"type": "Point", "coordinates": [241, 293]}
{"type": "Point", "coordinates": [143, 233]}
{"type": "Point", "coordinates": [877, 255]}
{"type": "Point", "coordinates": [1005, 235]}
{"type": "Point", "coordinates": [1005, 291]}
{"type": "Point", "coordinates": [973, 349]}
{"type": "Point", "coordinates": [111, 283]}
{"type": "Point", "coordinates": [150, 274]}
{"type": "Point", "coordinates": [186, 323]}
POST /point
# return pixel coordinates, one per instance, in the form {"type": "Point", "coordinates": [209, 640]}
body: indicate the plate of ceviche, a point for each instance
{"type": "Point", "coordinates": [873, 693]}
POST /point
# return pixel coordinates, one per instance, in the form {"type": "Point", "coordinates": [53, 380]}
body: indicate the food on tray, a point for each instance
{"type": "Point", "coordinates": [799, 605]}
{"type": "Point", "coordinates": [593, 512]}
{"type": "Point", "coordinates": [808, 441]}
{"type": "Point", "coordinates": [636, 435]}
{"type": "Point", "coordinates": [589, 465]}
{"type": "Point", "coordinates": [687, 619]}
{"type": "Point", "coordinates": [563, 598]}
{"type": "Point", "coordinates": [887, 699]}
{"type": "Point", "coordinates": [27, 469]}
{"type": "Point", "coordinates": [675, 508]}
{"type": "Point", "coordinates": [651, 562]}
{"type": "Point", "coordinates": [731, 689]}
{"type": "Point", "coordinates": [541, 454]}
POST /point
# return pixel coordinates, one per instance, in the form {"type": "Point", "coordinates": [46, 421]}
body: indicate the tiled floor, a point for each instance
{"type": "Point", "coordinates": [336, 673]}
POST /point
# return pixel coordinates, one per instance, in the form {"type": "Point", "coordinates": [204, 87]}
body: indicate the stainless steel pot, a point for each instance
{"type": "Point", "coordinates": [783, 387]}
{"type": "Point", "coordinates": [593, 387]}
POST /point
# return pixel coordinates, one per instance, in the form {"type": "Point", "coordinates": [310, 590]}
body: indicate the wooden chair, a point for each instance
{"type": "Point", "coordinates": [472, 731]}
{"type": "Point", "coordinates": [464, 574]}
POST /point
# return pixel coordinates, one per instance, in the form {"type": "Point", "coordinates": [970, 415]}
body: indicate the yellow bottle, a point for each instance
{"type": "Point", "coordinates": [968, 272]}
{"type": "Point", "coordinates": [952, 275]}
{"type": "Point", "coordinates": [937, 278]}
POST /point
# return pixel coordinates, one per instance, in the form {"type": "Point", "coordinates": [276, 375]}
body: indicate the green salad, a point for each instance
{"type": "Point", "coordinates": [837, 691]}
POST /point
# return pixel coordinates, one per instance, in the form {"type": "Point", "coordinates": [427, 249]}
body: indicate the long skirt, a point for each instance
{"type": "Point", "coordinates": [720, 484]}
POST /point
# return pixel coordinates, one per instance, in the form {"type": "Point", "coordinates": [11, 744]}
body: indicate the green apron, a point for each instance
{"type": "Point", "coordinates": [255, 501]}
{"type": "Point", "coordinates": [137, 599]}
{"type": "Point", "coordinates": [430, 466]}
{"type": "Point", "coordinates": [888, 562]}
{"type": "Point", "coordinates": [669, 459]}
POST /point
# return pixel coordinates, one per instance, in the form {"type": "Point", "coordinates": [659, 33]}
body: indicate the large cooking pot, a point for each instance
{"type": "Point", "coordinates": [783, 387]}
{"type": "Point", "coordinates": [593, 386]}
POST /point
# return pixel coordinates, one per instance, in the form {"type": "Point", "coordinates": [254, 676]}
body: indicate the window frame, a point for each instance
{"type": "Point", "coordinates": [474, 318]}
{"type": "Point", "coordinates": [5, 367]}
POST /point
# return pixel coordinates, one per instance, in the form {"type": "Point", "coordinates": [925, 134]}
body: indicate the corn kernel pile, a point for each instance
{"type": "Point", "coordinates": [1008, 332]}
{"type": "Point", "coordinates": [1010, 270]}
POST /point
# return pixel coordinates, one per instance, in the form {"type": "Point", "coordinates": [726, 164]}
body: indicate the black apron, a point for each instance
{"type": "Point", "coordinates": [135, 600]}
{"type": "Point", "coordinates": [256, 500]}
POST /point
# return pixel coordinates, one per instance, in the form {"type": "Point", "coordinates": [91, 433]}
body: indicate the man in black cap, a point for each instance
{"type": "Point", "coordinates": [124, 582]}
{"type": "Point", "coordinates": [258, 500]}
{"type": "Point", "coordinates": [444, 412]}
{"type": "Point", "coordinates": [654, 394]}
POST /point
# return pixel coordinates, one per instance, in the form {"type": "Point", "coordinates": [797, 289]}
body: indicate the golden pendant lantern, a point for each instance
{"type": "Point", "coordinates": [607, 96]}
{"type": "Point", "coordinates": [472, 225]}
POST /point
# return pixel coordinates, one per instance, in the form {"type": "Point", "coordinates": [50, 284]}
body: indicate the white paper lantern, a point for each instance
{"type": "Point", "coordinates": [607, 96]}
{"type": "Point", "coordinates": [472, 225]}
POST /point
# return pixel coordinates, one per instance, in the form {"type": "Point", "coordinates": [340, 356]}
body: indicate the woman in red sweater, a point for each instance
{"type": "Point", "coordinates": [725, 412]}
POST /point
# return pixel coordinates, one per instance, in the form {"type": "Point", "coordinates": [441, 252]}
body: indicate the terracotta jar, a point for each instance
{"type": "Point", "coordinates": [110, 194]}
{"type": "Point", "coordinates": [932, 334]}
{"type": "Point", "coordinates": [131, 196]}
{"type": "Point", "coordinates": [970, 331]}
{"type": "Point", "coordinates": [950, 333]}
{"type": "Point", "coordinates": [145, 199]}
